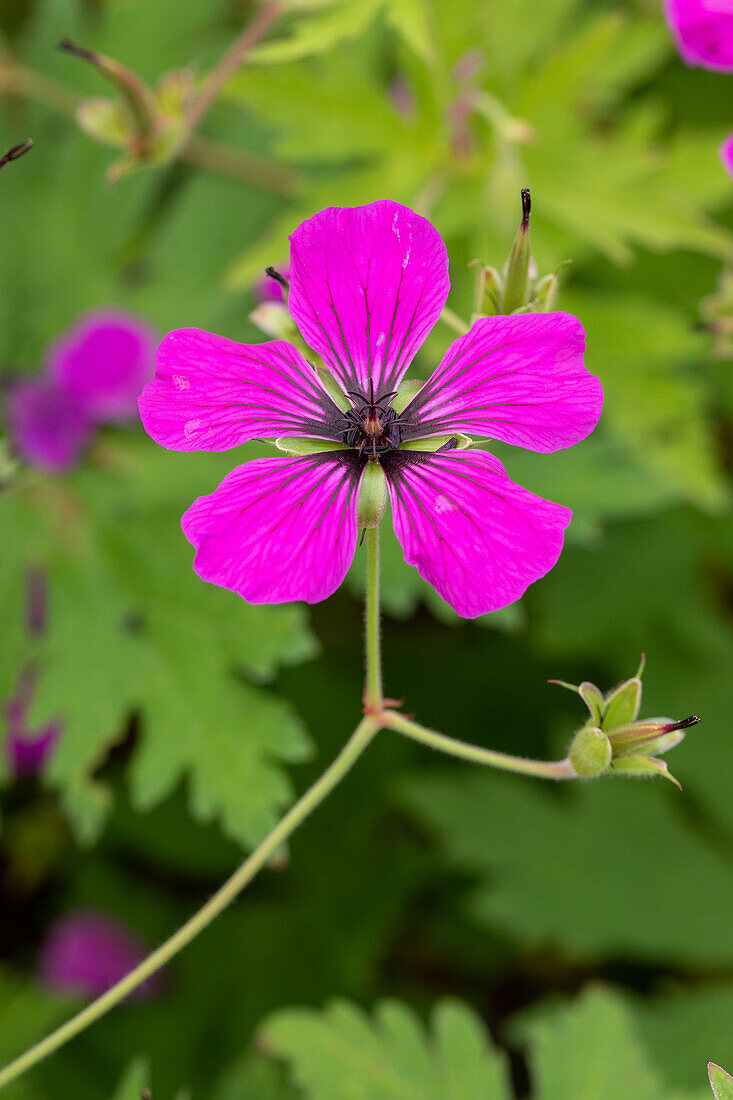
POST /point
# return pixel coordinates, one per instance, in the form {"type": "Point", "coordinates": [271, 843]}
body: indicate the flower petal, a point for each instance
{"type": "Point", "coordinates": [279, 529]}
{"type": "Point", "coordinates": [210, 393]}
{"type": "Point", "coordinates": [703, 32]}
{"type": "Point", "coordinates": [478, 538]}
{"type": "Point", "coordinates": [104, 361]}
{"type": "Point", "coordinates": [47, 425]}
{"type": "Point", "coordinates": [519, 378]}
{"type": "Point", "coordinates": [367, 285]}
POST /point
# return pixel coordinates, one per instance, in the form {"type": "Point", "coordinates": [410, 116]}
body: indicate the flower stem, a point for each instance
{"type": "Point", "coordinates": [542, 769]}
{"type": "Point", "coordinates": [373, 692]}
{"type": "Point", "coordinates": [305, 805]}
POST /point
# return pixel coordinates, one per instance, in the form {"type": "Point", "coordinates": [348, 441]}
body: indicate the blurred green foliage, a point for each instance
{"type": "Point", "coordinates": [186, 711]}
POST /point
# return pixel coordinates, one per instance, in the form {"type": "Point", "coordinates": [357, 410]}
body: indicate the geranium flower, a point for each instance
{"type": "Point", "coordinates": [27, 750]}
{"type": "Point", "coordinates": [703, 32]}
{"type": "Point", "coordinates": [87, 952]}
{"type": "Point", "coordinates": [93, 374]}
{"type": "Point", "coordinates": [367, 286]}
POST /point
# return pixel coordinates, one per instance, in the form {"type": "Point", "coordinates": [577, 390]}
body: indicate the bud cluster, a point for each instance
{"type": "Point", "coordinates": [614, 740]}
{"type": "Point", "coordinates": [517, 288]}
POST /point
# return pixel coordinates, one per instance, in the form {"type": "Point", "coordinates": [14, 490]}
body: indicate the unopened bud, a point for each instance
{"type": "Point", "coordinates": [489, 292]}
{"type": "Point", "coordinates": [136, 94]}
{"type": "Point", "coordinates": [274, 319]}
{"type": "Point", "coordinates": [652, 736]}
{"type": "Point", "coordinates": [372, 496]}
{"type": "Point", "coordinates": [590, 752]}
{"type": "Point", "coordinates": [516, 272]}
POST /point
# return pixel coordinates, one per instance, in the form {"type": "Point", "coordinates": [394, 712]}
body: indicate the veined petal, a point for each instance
{"type": "Point", "coordinates": [517, 378]}
{"type": "Point", "coordinates": [279, 529]}
{"type": "Point", "coordinates": [210, 393]}
{"type": "Point", "coordinates": [367, 285]}
{"type": "Point", "coordinates": [478, 538]}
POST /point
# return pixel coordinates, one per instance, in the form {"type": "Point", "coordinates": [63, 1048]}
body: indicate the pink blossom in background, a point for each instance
{"type": "Point", "coordinates": [103, 362]}
{"type": "Point", "coordinates": [268, 289]}
{"type": "Point", "coordinates": [367, 286]}
{"type": "Point", "coordinates": [93, 374]}
{"type": "Point", "coordinates": [48, 428]}
{"type": "Point", "coordinates": [86, 952]}
{"type": "Point", "coordinates": [703, 32]}
{"type": "Point", "coordinates": [726, 154]}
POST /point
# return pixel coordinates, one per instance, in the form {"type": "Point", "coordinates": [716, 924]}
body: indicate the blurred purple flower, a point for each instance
{"type": "Point", "coordinates": [268, 289]}
{"type": "Point", "coordinates": [726, 154]}
{"type": "Point", "coordinates": [48, 428]}
{"type": "Point", "coordinates": [93, 373]}
{"type": "Point", "coordinates": [86, 952]}
{"type": "Point", "coordinates": [703, 32]}
{"type": "Point", "coordinates": [27, 750]}
{"type": "Point", "coordinates": [103, 362]}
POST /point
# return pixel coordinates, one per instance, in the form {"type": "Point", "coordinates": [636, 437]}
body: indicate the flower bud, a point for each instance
{"type": "Point", "coordinates": [516, 272]}
{"type": "Point", "coordinates": [614, 740]}
{"type": "Point", "coordinates": [372, 496]}
{"type": "Point", "coordinates": [489, 292]}
{"type": "Point", "coordinates": [590, 752]}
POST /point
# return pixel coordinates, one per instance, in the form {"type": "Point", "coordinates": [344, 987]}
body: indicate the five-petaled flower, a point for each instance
{"type": "Point", "coordinates": [367, 286]}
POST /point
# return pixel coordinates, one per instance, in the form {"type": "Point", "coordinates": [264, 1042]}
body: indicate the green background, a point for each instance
{"type": "Point", "coordinates": [588, 928]}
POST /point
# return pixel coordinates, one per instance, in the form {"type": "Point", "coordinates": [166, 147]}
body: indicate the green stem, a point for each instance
{"type": "Point", "coordinates": [542, 769]}
{"type": "Point", "coordinates": [373, 693]}
{"type": "Point", "coordinates": [305, 805]}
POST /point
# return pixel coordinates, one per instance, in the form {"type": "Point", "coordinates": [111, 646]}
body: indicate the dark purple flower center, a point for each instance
{"type": "Point", "coordinates": [371, 426]}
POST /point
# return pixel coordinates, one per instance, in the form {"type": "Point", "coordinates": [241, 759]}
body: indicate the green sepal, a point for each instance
{"type": "Point", "coordinates": [333, 389]}
{"type": "Point", "coordinates": [592, 696]}
{"type": "Point", "coordinates": [622, 704]}
{"type": "Point", "coordinates": [435, 442]}
{"type": "Point", "coordinates": [372, 496]}
{"type": "Point", "coordinates": [104, 120]}
{"type": "Point", "coordinates": [720, 1082]}
{"type": "Point", "coordinates": [304, 445]}
{"type": "Point", "coordinates": [642, 765]}
{"type": "Point", "coordinates": [405, 393]}
{"type": "Point", "coordinates": [590, 752]}
{"type": "Point", "coordinates": [274, 319]}
{"type": "Point", "coordinates": [489, 292]}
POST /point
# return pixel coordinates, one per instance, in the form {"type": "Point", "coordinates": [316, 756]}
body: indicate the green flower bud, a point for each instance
{"type": "Point", "coordinates": [590, 752]}
{"type": "Point", "coordinates": [372, 496]}
{"type": "Point", "coordinates": [273, 318]}
{"type": "Point", "coordinates": [516, 272]}
{"type": "Point", "coordinates": [489, 292]}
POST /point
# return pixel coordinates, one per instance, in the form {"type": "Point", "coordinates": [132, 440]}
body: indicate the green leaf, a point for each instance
{"type": "Point", "coordinates": [601, 842]}
{"type": "Point", "coordinates": [315, 33]}
{"type": "Point", "coordinates": [341, 1051]}
{"type": "Point", "coordinates": [183, 655]}
{"type": "Point", "coordinates": [135, 1078]}
{"type": "Point", "coordinates": [589, 1050]}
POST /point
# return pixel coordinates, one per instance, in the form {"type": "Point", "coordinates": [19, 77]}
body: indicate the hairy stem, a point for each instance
{"type": "Point", "coordinates": [373, 691]}
{"type": "Point", "coordinates": [542, 769]}
{"type": "Point", "coordinates": [305, 805]}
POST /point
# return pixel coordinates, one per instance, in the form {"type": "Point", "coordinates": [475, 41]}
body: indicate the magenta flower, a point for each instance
{"type": "Point", "coordinates": [367, 286]}
{"type": "Point", "coordinates": [703, 32]}
{"type": "Point", "coordinates": [93, 374]}
{"type": "Point", "coordinates": [86, 953]}
{"type": "Point", "coordinates": [27, 750]}
{"type": "Point", "coordinates": [726, 154]}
